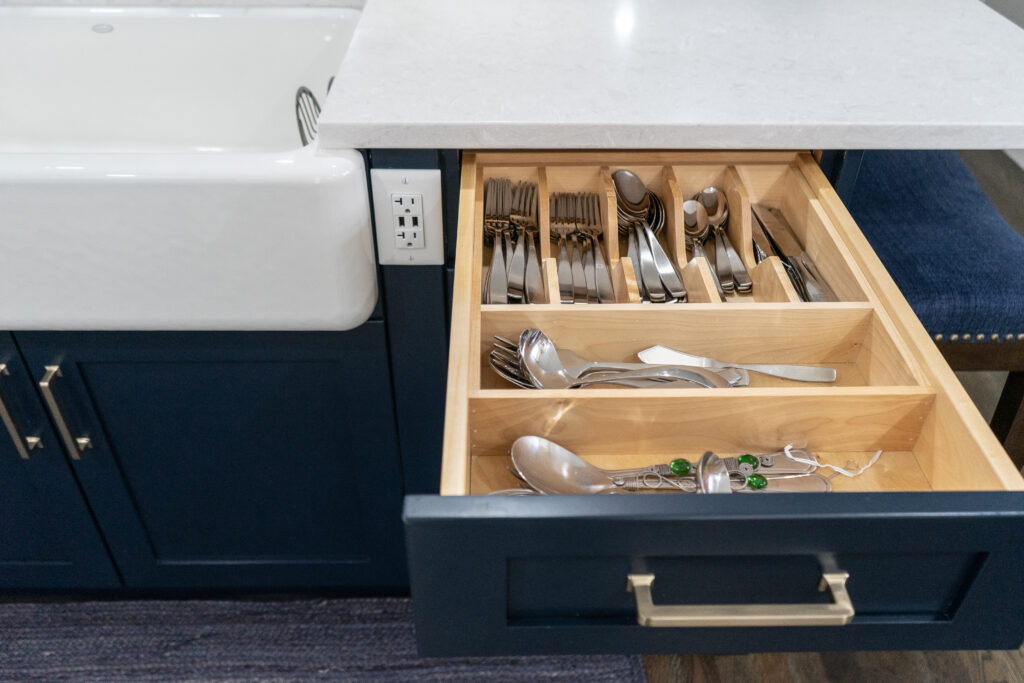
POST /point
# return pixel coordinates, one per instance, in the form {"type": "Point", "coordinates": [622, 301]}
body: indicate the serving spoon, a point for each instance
{"type": "Point", "coordinates": [553, 469]}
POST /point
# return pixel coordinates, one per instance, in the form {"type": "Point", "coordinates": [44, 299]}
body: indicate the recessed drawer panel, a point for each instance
{"type": "Point", "coordinates": [896, 585]}
{"type": "Point", "coordinates": [925, 535]}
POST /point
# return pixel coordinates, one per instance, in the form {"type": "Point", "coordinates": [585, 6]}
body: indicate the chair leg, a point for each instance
{"type": "Point", "coordinates": [1008, 419]}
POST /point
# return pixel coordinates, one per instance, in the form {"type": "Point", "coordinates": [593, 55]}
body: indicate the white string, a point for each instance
{"type": "Point", "coordinates": [840, 470]}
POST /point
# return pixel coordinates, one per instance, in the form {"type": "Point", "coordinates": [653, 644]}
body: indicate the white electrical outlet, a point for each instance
{"type": "Point", "coordinates": [407, 215]}
{"type": "Point", "coordinates": [407, 211]}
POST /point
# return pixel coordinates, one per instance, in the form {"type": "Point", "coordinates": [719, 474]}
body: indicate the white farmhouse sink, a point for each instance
{"type": "Point", "coordinates": [151, 174]}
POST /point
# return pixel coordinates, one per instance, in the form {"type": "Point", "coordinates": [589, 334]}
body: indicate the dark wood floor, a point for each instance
{"type": "Point", "coordinates": [840, 667]}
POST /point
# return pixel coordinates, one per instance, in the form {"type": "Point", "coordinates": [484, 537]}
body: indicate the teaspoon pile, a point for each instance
{"type": "Point", "coordinates": [641, 216]}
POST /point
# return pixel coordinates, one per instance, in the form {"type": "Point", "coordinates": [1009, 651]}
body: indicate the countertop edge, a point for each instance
{"type": "Point", "coordinates": [490, 135]}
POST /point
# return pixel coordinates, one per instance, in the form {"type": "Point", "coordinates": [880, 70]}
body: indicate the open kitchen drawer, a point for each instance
{"type": "Point", "coordinates": [931, 536]}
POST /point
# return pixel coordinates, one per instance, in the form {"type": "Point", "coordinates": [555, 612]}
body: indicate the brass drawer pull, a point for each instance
{"type": "Point", "coordinates": [23, 444]}
{"type": "Point", "coordinates": [836, 613]}
{"type": "Point", "coordinates": [75, 446]}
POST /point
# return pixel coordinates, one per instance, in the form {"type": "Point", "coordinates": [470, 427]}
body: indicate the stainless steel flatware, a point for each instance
{"type": "Point", "coordinates": [510, 223]}
{"type": "Point", "coordinates": [561, 228]}
{"type": "Point", "coordinates": [779, 236]}
{"type": "Point", "coordinates": [717, 214]}
{"type": "Point", "coordinates": [592, 227]}
{"type": "Point", "coordinates": [803, 373]}
{"type": "Point", "coordinates": [579, 273]}
{"type": "Point", "coordinates": [497, 210]}
{"type": "Point", "coordinates": [539, 358]}
{"type": "Point", "coordinates": [506, 360]}
{"type": "Point", "coordinates": [728, 264]}
{"type": "Point", "coordinates": [641, 216]}
{"type": "Point", "coordinates": [552, 469]}
{"type": "Point", "coordinates": [516, 265]}
{"type": "Point", "coordinates": [769, 465]}
{"type": "Point", "coordinates": [535, 363]}
{"type": "Point", "coordinates": [696, 228]}
{"type": "Point", "coordinates": [583, 275]}
{"type": "Point", "coordinates": [648, 270]}
{"type": "Point", "coordinates": [534, 281]}
{"type": "Point", "coordinates": [524, 267]}
{"type": "Point", "coordinates": [762, 247]}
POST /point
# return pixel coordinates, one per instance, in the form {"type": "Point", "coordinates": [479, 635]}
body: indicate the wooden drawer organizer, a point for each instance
{"type": "Point", "coordinates": [779, 185]}
{"type": "Point", "coordinates": [894, 392]}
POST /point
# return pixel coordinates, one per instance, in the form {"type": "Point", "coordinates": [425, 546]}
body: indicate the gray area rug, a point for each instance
{"type": "Point", "coordinates": [353, 640]}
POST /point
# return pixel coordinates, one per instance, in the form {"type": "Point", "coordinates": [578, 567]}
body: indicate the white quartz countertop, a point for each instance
{"type": "Point", "coordinates": [829, 74]}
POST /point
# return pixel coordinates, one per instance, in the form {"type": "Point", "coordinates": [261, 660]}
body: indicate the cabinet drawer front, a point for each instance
{"type": "Point", "coordinates": [922, 533]}
{"type": "Point", "coordinates": [515, 575]}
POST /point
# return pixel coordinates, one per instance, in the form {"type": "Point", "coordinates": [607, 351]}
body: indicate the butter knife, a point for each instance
{"type": "Point", "coordinates": [662, 355]}
{"type": "Point", "coordinates": [781, 235]}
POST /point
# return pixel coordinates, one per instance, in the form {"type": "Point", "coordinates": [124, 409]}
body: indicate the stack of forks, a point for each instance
{"type": "Point", "coordinates": [510, 223]}
{"type": "Point", "coordinates": [576, 227]}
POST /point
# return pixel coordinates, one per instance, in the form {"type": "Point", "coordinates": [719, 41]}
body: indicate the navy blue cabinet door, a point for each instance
{"type": "Point", "coordinates": [258, 460]}
{"type": "Point", "coordinates": [47, 535]}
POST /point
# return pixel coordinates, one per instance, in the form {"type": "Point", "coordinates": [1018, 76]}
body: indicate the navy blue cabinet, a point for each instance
{"type": "Point", "coordinates": [47, 535]}
{"type": "Point", "coordinates": [258, 460]}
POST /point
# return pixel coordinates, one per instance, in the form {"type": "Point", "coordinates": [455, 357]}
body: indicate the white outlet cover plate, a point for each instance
{"type": "Point", "coordinates": [385, 182]}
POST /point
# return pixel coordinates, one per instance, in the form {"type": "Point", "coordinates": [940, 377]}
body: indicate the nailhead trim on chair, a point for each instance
{"type": "Point", "coordinates": [980, 337]}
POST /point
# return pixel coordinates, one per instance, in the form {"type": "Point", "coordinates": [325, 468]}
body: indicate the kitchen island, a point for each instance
{"type": "Point", "coordinates": [524, 575]}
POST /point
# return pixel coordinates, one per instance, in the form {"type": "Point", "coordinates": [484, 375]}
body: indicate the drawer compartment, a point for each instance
{"type": "Point", "coordinates": [778, 185]}
{"type": "Point", "coordinates": [925, 534]}
{"type": "Point", "coordinates": [849, 338]}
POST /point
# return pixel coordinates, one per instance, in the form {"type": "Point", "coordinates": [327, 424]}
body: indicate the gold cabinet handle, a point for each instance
{"type": "Point", "coordinates": [836, 613]}
{"type": "Point", "coordinates": [23, 444]}
{"type": "Point", "coordinates": [74, 446]}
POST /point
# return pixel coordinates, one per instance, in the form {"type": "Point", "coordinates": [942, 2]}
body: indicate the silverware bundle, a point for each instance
{"type": "Point", "coordinates": [548, 468]}
{"type": "Point", "coordinates": [514, 275]}
{"type": "Point", "coordinates": [641, 216]}
{"type": "Point", "coordinates": [534, 362]}
{"type": "Point", "coordinates": [510, 221]}
{"type": "Point", "coordinates": [773, 236]}
{"type": "Point", "coordinates": [706, 217]}
{"type": "Point", "coordinates": [729, 271]}
{"type": "Point", "coordinates": [576, 228]}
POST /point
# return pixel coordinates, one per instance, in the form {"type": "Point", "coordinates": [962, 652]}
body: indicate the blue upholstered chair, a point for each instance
{"type": "Point", "coordinates": [959, 264]}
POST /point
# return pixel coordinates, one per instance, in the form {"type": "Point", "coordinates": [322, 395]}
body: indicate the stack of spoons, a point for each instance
{"type": "Point", "coordinates": [641, 216]}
